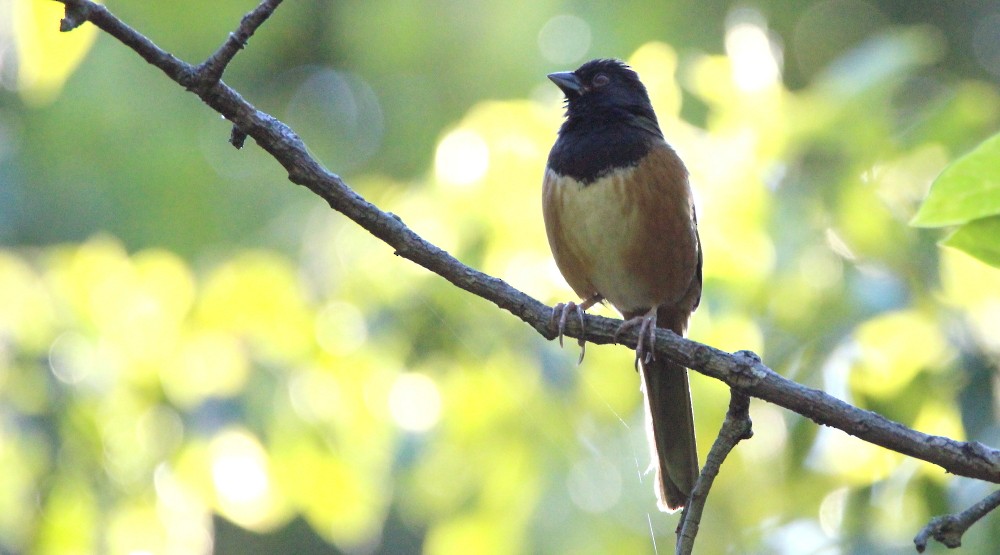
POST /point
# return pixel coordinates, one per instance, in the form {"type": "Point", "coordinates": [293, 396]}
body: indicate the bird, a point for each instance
{"type": "Point", "coordinates": [620, 220]}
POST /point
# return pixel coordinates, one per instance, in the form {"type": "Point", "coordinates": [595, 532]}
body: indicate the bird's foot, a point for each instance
{"type": "Point", "coordinates": [647, 335]}
{"type": "Point", "coordinates": [563, 310]}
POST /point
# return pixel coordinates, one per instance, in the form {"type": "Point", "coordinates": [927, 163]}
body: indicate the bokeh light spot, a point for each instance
{"type": "Point", "coordinates": [831, 511]}
{"type": "Point", "coordinates": [239, 474]}
{"type": "Point", "coordinates": [755, 61]}
{"type": "Point", "coordinates": [770, 435]}
{"type": "Point", "coordinates": [462, 158]}
{"type": "Point", "coordinates": [339, 113]}
{"type": "Point", "coordinates": [564, 39]}
{"type": "Point", "coordinates": [71, 357]}
{"type": "Point", "coordinates": [414, 402]}
{"type": "Point", "coordinates": [341, 328]}
{"type": "Point", "coordinates": [594, 485]}
{"type": "Point", "coordinates": [316, 395]}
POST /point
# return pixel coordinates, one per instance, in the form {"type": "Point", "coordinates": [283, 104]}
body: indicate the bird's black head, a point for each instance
{"type": "Point", "coordinates": [610, 123]}
{"type": "Point", "coordinates": [606, 90]}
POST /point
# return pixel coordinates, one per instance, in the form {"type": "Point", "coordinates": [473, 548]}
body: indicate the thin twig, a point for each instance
{"type": "Point", "coordinates": [948, 529]}
{"type": "Point", "coordinates": [210, 71]}
{"type": "Point", "coordinates": [78, 11]}
{"type": "Point", "coordinates": [971, 459]}
{"type": "Point", "coordinates": [735, 428]}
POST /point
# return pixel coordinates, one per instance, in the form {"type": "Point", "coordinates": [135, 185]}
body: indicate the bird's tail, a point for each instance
{"type": "Point", "coordinates": [670, 429]}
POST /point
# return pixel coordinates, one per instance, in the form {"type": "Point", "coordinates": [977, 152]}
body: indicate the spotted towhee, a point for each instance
{"type": "Point", "coordinates": [621, 224]}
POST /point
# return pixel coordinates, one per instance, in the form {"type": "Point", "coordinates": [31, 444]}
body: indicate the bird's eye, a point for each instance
{"type": "Point", "coordinates": [600, 80]}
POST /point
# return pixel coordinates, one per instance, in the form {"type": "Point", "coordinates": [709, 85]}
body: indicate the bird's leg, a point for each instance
{"type": "Point", "coordinates": [647, 335]}
{"type": "Point", "coordinates": [564, 309]}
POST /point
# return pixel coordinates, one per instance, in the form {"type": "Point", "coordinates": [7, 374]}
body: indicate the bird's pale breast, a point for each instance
{"type": "Point", "coordinates": [629, 236]}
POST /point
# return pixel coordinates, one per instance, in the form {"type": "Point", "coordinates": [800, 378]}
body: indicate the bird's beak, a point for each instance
{"type": "Point", "coordinates": [568, 82]}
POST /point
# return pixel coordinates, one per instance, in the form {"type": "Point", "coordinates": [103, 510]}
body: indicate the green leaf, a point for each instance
{"type": "Point", "coordinates": [966, 190]}
{"type": "Point", "coordinates": [979, 239]}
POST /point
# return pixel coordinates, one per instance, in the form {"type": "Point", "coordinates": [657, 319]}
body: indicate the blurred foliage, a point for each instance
{"type": "Point", "coordinates": [196, 357]}
{"type": "Point", "coordinates": [46, 57]}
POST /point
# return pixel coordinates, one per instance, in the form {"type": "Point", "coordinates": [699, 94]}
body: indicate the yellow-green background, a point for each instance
{"type": "Point", "coordinates": [197, 356]}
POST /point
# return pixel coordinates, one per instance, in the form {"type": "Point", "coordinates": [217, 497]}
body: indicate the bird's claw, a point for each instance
{"type": "Point", "coordinates": [563, 310]}
{"type": "Point", "coordinates": [647, 335]}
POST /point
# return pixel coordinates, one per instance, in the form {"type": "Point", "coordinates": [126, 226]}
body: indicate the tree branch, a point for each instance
{"type": "Point", "coordinates": [948, 529]}
{"type": "Point", "coordinates": [735, 428]}
{"type": "Point", "coordinates": [210, 71]}
{"type": "Point", "coordinates": [742, 371]}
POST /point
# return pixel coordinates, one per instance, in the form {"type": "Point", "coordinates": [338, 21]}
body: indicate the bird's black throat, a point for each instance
{"type": "Point", "coordinates": [590, 148]}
